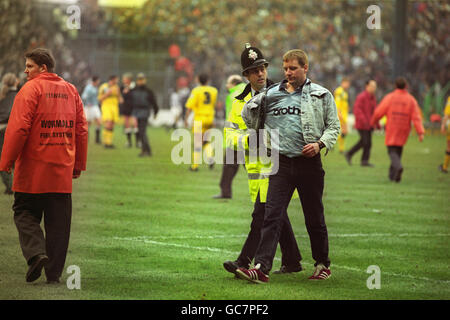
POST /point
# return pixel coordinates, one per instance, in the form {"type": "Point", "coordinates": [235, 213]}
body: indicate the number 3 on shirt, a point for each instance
{"type": "Point", "coordinates": [207, 98]}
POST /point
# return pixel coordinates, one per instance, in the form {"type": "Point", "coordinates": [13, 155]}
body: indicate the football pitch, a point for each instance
{"type": "Point", "coordinates": [145, 228]}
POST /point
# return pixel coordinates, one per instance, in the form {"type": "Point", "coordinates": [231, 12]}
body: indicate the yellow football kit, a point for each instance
{"type": "Point", "coordinates": [109, 105]}
{"type": "Point", "coordinates": [447, 114]}
{"type": "Point", "coordinates": [110, 109]}
{"type": "Point", "coordinates": [447, 152]}
{"type": "Point", "coordinates": [202, 102]}
{"type": "Point", "coordinates": [341, 99]}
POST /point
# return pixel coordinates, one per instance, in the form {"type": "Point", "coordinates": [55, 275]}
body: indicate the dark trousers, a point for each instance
{"type": "Point", "coordinates": [57, 210]}
{"type": "Point", "coordinates": [142, 132]}
{"type": "Point", "coordinates": [229, 171]}
{"type": "Point", "coordinates": [365, 142]}
{"type": "Point", "coordinates": [6, 177]}
{"type": "Point", "coordinates": [395, 153]}
{"type": "Point", "coordinates": [288, 244]}
{"type": "Point", "coordinates": [307, 176]}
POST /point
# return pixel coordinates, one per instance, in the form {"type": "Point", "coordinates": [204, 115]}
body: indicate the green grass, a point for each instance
{"type": "Point", "coordinates": [147, 229]}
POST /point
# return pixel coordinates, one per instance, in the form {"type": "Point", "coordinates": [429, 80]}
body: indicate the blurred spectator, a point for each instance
{"type": "Point", "coordinates": [211, 33]}
{"type": "Point", "coordinates": [126, 109]}
{"type": "Point", "coordinates": [91, 107]}
{"type": "Point", "coordinates": [8, 91]}
{"type": "Point", "coordinates": [363, 109]}
{"type": "Point", "coordinates": [143, 101]}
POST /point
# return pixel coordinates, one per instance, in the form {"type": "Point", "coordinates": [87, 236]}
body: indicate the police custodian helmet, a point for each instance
{"type": "Point", "coordinates": [252, 57]}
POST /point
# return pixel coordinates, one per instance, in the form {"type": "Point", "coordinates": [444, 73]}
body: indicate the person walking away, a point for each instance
{"type": "Point", "coordinates": [400, 109]}
{"type": "Point", "coordinates": [46, 139]}
{"type": "Point", "coordinates": [363, 109]}
{"type": "Point", "coordinates": [202, 102]}
{"type": "Point", "coordinates": [143, 101]}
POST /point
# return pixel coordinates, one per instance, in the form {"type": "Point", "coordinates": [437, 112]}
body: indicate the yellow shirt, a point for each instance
{"type": "Point", "coordinates": [113, 99]}
{"type": "Point", "coordinates": [447, 108]}
{"type": "Point", "coordinates": [341, 99]}
{"type": "Point", "coordinates": [202, 101]}
{"type": "Point", "coordinates": [447, 114]}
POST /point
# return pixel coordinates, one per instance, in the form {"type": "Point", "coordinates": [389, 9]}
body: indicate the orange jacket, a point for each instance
{"type": "Point", "coordinates": [400, 109]}
{"type": "Point", "coordinates": [46, 136]}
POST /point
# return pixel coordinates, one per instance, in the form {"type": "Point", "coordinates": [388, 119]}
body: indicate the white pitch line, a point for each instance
{"type": "Point", "coordinates": [344, 235]}
{"type": "Point", "coordinates": [218, 250]}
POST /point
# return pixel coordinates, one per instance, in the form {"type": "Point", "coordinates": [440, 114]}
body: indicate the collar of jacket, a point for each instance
{"type": "Point", "coordinates": [283, 85]}
{"type": "Point", "coordinates": [46, 76]}
{"type": "Point", "coordinates": [248, 89]}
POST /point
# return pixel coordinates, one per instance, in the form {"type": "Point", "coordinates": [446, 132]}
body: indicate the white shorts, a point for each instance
{"type": "Point", "coordinates": [92, 113]}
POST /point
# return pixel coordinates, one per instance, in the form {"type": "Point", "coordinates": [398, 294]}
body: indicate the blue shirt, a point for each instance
{"type": "Point", "coordinates": [89, 95]}
{"type": "Point", "coordinates": [283, 112]}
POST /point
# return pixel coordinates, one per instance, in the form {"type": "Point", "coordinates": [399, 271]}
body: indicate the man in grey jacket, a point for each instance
{"type": "Point", "coordinates": [305, 117]}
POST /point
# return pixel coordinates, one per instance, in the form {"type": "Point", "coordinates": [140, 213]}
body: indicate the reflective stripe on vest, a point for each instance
{"type": "Point", "coordinates": [257, 176]}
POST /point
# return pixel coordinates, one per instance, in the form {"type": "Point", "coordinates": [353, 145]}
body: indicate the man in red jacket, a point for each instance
{"type": "Point", "coordinates": [46, 141]}
{"type": "Point", "coordinates": [400, 109]}
{"type": "Point", "coordinates": [363, 109]}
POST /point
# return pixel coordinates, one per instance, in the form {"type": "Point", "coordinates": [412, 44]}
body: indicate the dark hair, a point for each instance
{"type": "Point", "coordinates": [94, 78]}
{"type": "Point", "coordinates": [203, 78]}
{"type": "Point", "coordinates": [42, 56]}
{"type": "Point", "coordinates": [111, 77]}
{"type": "Point", "coordinates": [400, 83]}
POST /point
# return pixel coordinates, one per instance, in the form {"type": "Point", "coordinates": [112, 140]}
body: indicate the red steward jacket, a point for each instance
{"type": "Point", "coordinates": [46, 136]}
{"type": "Point", "coordinates": [400, 109]}
{"type": "Point", "coordinates": [363, 109]}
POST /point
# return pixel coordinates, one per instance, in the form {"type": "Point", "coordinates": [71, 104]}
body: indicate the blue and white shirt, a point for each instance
{"type": "Point", "coordinates": [89, 95]}
{"type": "Point", "coordinates": [283, 113]}
{"type": "Point", "coordinates": [304, 116]}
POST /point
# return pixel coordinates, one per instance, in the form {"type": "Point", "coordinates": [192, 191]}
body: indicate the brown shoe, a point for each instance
{"type": "Point", "coordinates": [35, 269]}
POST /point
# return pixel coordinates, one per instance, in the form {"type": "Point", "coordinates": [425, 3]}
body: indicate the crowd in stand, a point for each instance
{"type": "Point", "coordinates": [333, 33]}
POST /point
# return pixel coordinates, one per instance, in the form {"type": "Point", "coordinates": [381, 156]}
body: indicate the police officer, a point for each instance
{"type": "Point", "coordinates": [254, 68]}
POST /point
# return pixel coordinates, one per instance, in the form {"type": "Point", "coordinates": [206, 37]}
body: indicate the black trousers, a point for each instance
{"type": "Point", "coordinates": [6, 177]}
{"type": "Point", "coordinates": [290, 253]}
{"type": "Point", "coordinates": [142, 132]}
{"type": "Point", "coordinates": [395, 154]}
{"type": "Point", "coordinates": [57, 210]}
{"type": "Point", "coordinates": [307, 176]}
{"type": "Point", "coordinates": [229, 170]}
{"type": "Point", "coordinates": [365, 142]}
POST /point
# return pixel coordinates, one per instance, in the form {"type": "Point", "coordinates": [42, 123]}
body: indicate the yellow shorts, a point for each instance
{"type": "Point", "coordinates": [201, 126]}
{"type": "Point", "coordinates": [110, 113]}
